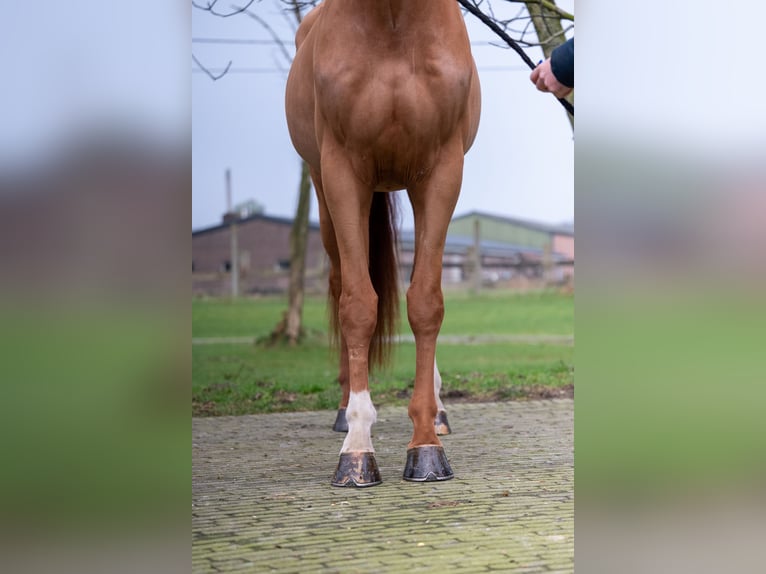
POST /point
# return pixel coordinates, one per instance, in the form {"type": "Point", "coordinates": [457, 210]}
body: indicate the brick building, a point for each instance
{"type": "Point", "coordinates": [264, 256]}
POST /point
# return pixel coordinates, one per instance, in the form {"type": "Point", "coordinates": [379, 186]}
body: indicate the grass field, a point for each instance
{"type": "Point", "coordinates": [235, 378]}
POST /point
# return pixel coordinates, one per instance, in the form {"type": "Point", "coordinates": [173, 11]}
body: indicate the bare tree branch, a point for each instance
{"type": "Point", "coordinates": [290, 19]}
{"type": "Point", "coordinates": [209, 6]}
{"type": "Point", "coordinates": [495, 27]}
{"type": "Point", "coordinates": [296, 7]}
{"type": "Point", "coordinates": [210, 74]}
{"type": "Point", "coordinates": [561, 36]}
{"type": "Point", "coordinates": [273, 34]}
{"type": "Point", "coordinates": [524, 18]}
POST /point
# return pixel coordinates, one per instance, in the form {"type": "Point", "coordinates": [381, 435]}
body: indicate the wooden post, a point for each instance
{"type": "Point", "coordinates": [548, 277]}
{"type": "Point", "coordinates": [233, 236]}
{"type": "Point", "coordinates": [476, 254]}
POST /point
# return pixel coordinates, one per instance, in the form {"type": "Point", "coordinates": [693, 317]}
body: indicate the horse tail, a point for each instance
{"type": "Point", "coordinates": [384, 274]}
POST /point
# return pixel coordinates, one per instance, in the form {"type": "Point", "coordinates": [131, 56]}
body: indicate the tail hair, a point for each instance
{"type": "Point", "coordinates": [384, 274]}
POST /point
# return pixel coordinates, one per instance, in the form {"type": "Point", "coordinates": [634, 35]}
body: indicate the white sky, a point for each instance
{"type": "Point", "coordinates": [74, 67]}
{"type": "Point", "coordinates": [521, 163]}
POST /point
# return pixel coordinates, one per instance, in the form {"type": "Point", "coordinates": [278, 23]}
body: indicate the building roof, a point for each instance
{"type": "Point", "coordinates": [255, 217]}
{"type": "Point", "coordinates": [459, 245]}
{"type": "Point", "coordinates": [558, 229]}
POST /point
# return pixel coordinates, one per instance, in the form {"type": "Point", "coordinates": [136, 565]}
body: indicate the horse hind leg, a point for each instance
{"type": "Point", "coordinates": [334, 289]}
{"type": "Point", "coordinates": [341, 423]}
{"type": "Point", "coordinates": [440, 422]}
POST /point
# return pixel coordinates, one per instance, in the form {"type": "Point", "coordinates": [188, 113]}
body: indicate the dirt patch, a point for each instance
{"type": "Point", "coordinates": [535, 392]}
{"type": "Point", "coordinates": [283, 397]}
{"type": "Point", "coordinates": [513, 393]}
{"type": "Point", "coordinates": [204, 408]}
{"type": "Point", "coordinates": [282, 401]}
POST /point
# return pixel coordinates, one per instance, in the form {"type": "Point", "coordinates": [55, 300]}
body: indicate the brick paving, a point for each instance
{"type": "Point", "coordinates": [262, 500]}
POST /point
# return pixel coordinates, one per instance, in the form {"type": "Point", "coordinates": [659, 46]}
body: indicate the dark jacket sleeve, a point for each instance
{"type": "Point", "coordinates": [562, 63]}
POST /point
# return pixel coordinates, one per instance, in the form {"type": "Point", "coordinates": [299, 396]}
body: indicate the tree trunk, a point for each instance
{"type": "Point", "coordinates": [298, 242]}
{"type": "Point", "coordinates": [550, 33]}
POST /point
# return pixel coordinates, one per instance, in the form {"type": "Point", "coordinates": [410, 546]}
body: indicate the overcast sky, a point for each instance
{"type": "Point", "coordinates": [75, 67]}
{"type": "Point", "coordinates": [521, 164]}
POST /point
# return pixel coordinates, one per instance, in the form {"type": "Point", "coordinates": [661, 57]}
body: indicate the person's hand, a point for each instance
{"type": "Point", "coordinates": [542, 77]}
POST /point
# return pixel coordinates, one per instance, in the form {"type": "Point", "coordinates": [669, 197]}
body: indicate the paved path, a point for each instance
{"type": "Point", "coordinates": [262, 502]}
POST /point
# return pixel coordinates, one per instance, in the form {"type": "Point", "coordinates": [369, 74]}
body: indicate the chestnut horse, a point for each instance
{"type": "Point", "coordinates": [383, 95]}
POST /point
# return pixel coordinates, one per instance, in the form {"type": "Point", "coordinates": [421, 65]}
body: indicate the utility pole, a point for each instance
{"type": "Point", "coordinates": [548, 275]}
{"type": "Point", "coordinates": [476, 255]}
{"type": "Point", "coordinates": [233, 235]}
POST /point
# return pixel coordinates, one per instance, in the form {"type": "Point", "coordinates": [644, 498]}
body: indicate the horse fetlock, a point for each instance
{"type": "Point", "coordinates": [421, 412]}
{"type": "Point", "coordinates": [360, 416]}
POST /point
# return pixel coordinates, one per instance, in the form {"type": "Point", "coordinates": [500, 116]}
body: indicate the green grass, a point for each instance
{"type": "Point", "coordinates": [489, 313]}
{"type": "Point", "coordinates": [252, 316]}
{"type": "Point", "coordinates": [501, 312]}
{"type": "Point", "coordinates": [250, 378]}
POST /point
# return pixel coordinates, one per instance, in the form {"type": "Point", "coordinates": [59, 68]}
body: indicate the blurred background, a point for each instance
{"type": "Point", "coordinates": [96, 182]}
{"type": "Point", "coordinates": [94, 205]}
{"type": "Point", "coordinates": [670, 186]}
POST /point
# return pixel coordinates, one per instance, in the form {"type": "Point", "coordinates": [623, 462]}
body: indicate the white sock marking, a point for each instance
{"type": "Point", "coordinates": [438, 388]}
{"type": "Point", "coordinates": [360, 415]}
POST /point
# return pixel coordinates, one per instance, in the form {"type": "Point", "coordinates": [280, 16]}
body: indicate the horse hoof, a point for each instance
{"type": "Point", "coordinates": [341, 424]}
{"type": "Point", "coordinates": [442, 424]}
{"type": "Point", "coordinates": [426, 464]}
{"type": "Point", "coordinates": [357, 469]}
